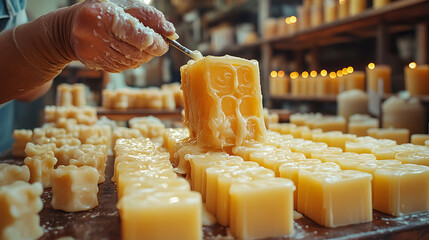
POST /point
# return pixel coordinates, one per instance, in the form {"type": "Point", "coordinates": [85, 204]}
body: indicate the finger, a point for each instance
{"type": "Point", "coordinates": [153, 18]}
{"type": "Point", "coordinates": [131, 52]}
{"type": "Point", "coordinates": [118, 57]}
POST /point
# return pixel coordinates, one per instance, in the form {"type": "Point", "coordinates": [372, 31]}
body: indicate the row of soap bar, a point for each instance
{"type": "Point", "coordinates": [154, 203]}
{"type": "Point", "coordinates": [242, 195]}
{"type": "Point", "coordinates": [84, 115]}
{"type": "Point", "coordinates": [71, 95]}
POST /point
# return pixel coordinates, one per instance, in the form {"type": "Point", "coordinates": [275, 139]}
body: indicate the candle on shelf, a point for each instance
{"type": "Point", "coordinates": [274, 88]}
{"type": "Point", "coordinates": [270, 28]}
{"type": "Point", "coordinates": [400, 135]}
{"type": "Point", "coordinates": [304, 17]}
{"type": "Point", "coordinates": [316, 16]}
{"type": "Point", "coordinates": [294, 83]}
{"type": "Point", "coordinates": [283, 82]}
{"type": "Point", "coordinates": [352, 102]}
{"type": "Point", "coordinates": [419, 139]}
{"type": "Point", "coordinates": [322, 83]}
{"type": "Point", "coordinates": [343, 8]}
{"type": "Point", "coordinates": [312, 83]}
{"type": "Point", "coordinates": [293, 25]}
{"type": "Point", "coordinates": [409, 114]}
{"type": "Point", "coordinates": [379, 3]}
{"type": "Point", "coordinates": [417, 79]}
{"type": "Point", "coordinates": [333, 83]}
{"type": "Point", "coordinates": [283, 26]}
{"type": "Point", "coordinates": [356, 80]}
{"type": "Point", "coordinates": [330, 11]}
{"type": "Point", "coordinates": [357, 6]}
{"type": "Point", "coordinates": [341, 80]}
{"type": "Point", "coordinates": [303, 83]}
{"type": "Point", "coordinates": [376, 72]}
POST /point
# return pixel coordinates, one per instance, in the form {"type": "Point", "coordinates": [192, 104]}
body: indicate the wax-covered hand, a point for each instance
{"type": "Point", "coordinates": [118, 34]}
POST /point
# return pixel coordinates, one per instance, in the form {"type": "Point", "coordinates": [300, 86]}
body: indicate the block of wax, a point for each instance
{"type": "Point", "coordinates": [291, 170]}
{"type": "Point", "coordinates": [262, 208]}
{"type": "Point", "coordinates": [199, 164]}
{"type": "Point", "coordinates": [161, 215]}
{"type": "Point", "coordinates": [316, 15]}
{"type": "Point", "coordinates": [11, 173]}
{"type": "Point", "coordinates": [360, 128]}
{"type": "Point", "coordinates": [280, 140]}
{"type": "Point", "coordinates": [212, 174]}
{"type": "Point", "coordinates": [168, 102]}
{"type": "Point", "coordinates": [416, 79]}
{"type": "Point", "coordinates": [343, 8]}
{"type": "Point", "coordinates": [402, 189]}
{"type": "Point", "coordinates": [355, 80]}
{"type": "Point", "coordinates": [378, 72]}
{"type": "Point", "coordinates": [420, 158]}
{"type": "Point", "coordinates": [149, 184]}
{"type": "Point", "coordinates": [322, 85]}
{"type": "Point", "coordinates": [400, 135]}
{"type": "Point", "coordinates": [308, 135]}
{"type": "Point", "coordinates": [20, 204]}
{"type": "Point", "coordinates": [93, 156]}
{"type": "Point", "coordinates": [78, 92]}
{"type": "Point", "coordinates": [319, 154]}
{"type": "Point", "coordinates": [419, 139]}
{"type": "Point", "coordinates": [380, 3]}
{"type": "Point", "coordinates": [366, 144]}
{"type": "Point", "coordinates": [245, 151]}
{"type": "Point", "coordinates": [330, 11]}
{"type": "Point", "coordinates": [337, 198]}
{"type": "Point", "coordinates": [348, 163]}
{"type": "Point", "coordinates": [225, 180]}
{"type": "Point", "coordinates": [171, 136]}
{"type": "Point", "coordinates": [396, 112]}
{"type": "Point", "coordinates": [41, 167]}
{"type": "Point", "coordinates": [134, 146]}
{"type": "Point", "coordinates": [74, 188]}
{"type": "Point", "coordinates": [296, 132]}
{"type": "Point", "coordinates": [308, 147]}
{"type": "Point", "coordinates": [149, 127]}
{"type": "Point", "coordinates": [64, 95]}
{"type": "Point", "coordinates": [108, 97]}
{"type": "Point", "coordinates": [20, 139]}
{"type": "Point", "coordinates": [86, 132]}
{"type": "Point", "coordinates": [123, 132]}
{"type": "Point", "coordinates": [357, 6]}
{"type": "Point", "coordinates": [32, 149]}
{"type": "Point", "coordinates": [352, 102]}
{"type": "Point", "coordinates": [299, 119]}
{"type": "Point", "coordinates": [232, 101]}
{"type": "Point", "coordinates": [331, 123]}
{"type": "Point", "coordinates": [274, 160]}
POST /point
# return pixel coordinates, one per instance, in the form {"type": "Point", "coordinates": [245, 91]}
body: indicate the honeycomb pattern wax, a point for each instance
{"type": "Point", "coordinates": [223, 101]}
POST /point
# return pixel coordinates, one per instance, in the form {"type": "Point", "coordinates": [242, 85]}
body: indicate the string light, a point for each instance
{"type": "Point", "coordinates": [371, 65]}
{"type": "Point", "coordinates": [332, 75]}
{"type": "Point", "coordinates": [412, 65]}
{"type": "Point", "coordinates": [350, 69]}
{"type": "Point", "coordinates": [339, 73]}
{"type": "Point", "coordinates": [281, 74]}
{"type": "Point", "coordinates": [294, 75]}
{"type": "Point", "coordinates": [344, 70]}
{"type": "Point", "coordinates": [287, 20]}
{"type": "Point", "coordinates": [293, 19]}
{"type": "Point", "coordinates": [324, 73]}
{"type": "Point", "coordinates": [313, 73]}
{"type": "Point", "coordinates": [305, 74]}
{"type": "Point", "coordinates": [273, 74]}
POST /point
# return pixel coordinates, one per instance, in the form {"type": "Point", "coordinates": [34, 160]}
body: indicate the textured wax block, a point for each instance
{"type": "Point", "coordinates": [41, 167]}
{"type": "Point", "coordinates": [262, 208]}
{"type": "Point", "coordinates": [74, 188]}
{"type": "Point", "coordinates": [283, 128]}
{"type": "Point", "coordinates": [161, 215]}
{"type": "Point", "coordinates": [171, 136]}
{"type": "Point", "coordinates": [20, 204]}
{"type": "Point", "coordinates": [21, 137]}
{"type": "Point", "coordinates": [93, 156]}
{"type": "Point", "coordinates": [123, 132]}
{"type": "Point", "coordinates": [223, 101]}
{"type": "Point", "coordinates": [414, 157]}
{"type": "Point", "coordinates": [12, 173]}
{"type": "Point", "coordinates": [32, 149]}
{"type": "Point", "coordinates": [148, 184]}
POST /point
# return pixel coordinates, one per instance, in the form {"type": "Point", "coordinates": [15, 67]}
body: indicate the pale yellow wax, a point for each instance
{"type": "Point", "coordinates": [78, 92]}
{"type": "Point", "coordinates": [316, 17]}
{"type": "Point", "coordinates": [311, 88]}
{"type": "Point", "coordinates": [380, 3]}
{"type": "Point", "coordinates": [334, 85]}
{"type": "Point", "coordinates": [322, 85]}
{"type": "Point", "coordinates": [64, 95]}
{"type": "Point", "coordinates": [419, 139]}
{"type": "Point", "coordinates": [379, 72]}
{"type": "Point", "coordinates": [355, 80]}
{"type": "Point", "coordinates": [295, 86]}
{"type": "Point", "coordinates": [409, 114]}
{"type": "Point", "coordinates": [270, 28]}
{"type": "Point", "coordinates": [417, 80]}
{"type": "Point", "coordinates": [303, 86]}
{"type": "Point", "coordinates": [400, 135]}
{"type": "Point", "coordinates": [303, 17]}
{"type": "Point", "coordinates": [330, 11]}
{"type": "Point", "coordinates": [343, 8]}
{"type": "Point", "coordinates": [357, 6]}
{"type": "Point", "coordinates": [352, 102]}
{"type": "Point", "coordinates": [360, 128]}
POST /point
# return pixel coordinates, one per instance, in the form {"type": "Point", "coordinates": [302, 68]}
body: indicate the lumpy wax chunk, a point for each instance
{"type": "Point", "coordinates": [74, 188]}
{"type": "Point", "coordinates": [21, 137]}
{"type": "Point", "coordinates": [262, 208]}
{"type": "Point", "coordinates": [161, 215]}
{"type": "Point", "coordinates": [20, 204]}
{"type": "Point", "coordinates": [11, 173]}
{"type": "Point", "coordinates": [223, 101]}
{"type": "Point", "coordinates": [41, 167]}
{"type": "Point", "coordinates": [401, 189]}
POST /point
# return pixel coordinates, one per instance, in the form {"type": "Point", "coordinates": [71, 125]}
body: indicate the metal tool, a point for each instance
{"type": "Point", "coordinates": [181, 48]}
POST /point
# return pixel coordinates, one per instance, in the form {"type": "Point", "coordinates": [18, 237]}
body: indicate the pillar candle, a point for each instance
{"type": "Point", "coordinates": [270, 28]}
{"type": "Point", "coordinates": [334, 85]}
{"type": "Point", "coordinates": [379, 3]}
{"type": "Point", "coordinates": [409, 114]}
{"type": "Point", "coordinates": [356, 80]}
{"type": "Point", "coordinates": [417, 79]}
{"type": "Point", "coordinates": [295, 86]}
{"type": "Point", "coordinates": [322, 85]}
{"type": "Point", "coordinates": [316, 16]}
{"type": "Point", "coordinates": [375, 72]}
{"type": "Point", "coordinates": [352, 102]}
{"type": "Point", "coordinates": [419, 139]}
{"type": "Point", "coordinates": [357, 6]}
{"type": "Point", "coordinates": [64, 95]}
{"type": "Point", "coordinates": [304, 17]}
{"type": "Point", "coordinates": [343, 8]}
{"type": "Point", "coordinates": [330, 11]}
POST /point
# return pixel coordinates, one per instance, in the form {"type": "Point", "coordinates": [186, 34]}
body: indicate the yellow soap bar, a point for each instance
{"type": "Point", "coordinates": [74, 188]}
{"type": "Point", "coordinates": [262, 208]}
{"type": "Point", "coordinates": [41, 167]}
{"type": "Point", "coordinates": [129, 178]}
{"type": "Point", "coordinates": [161, 215]}
{"type": "Point", "coordinates": [401, 189]}
{"type": "Point", "coordinates": [223, 101]}
{"type": "Point", "coordinates": [150, 184]}
{"type": "Point", "coordinates": [20, 204]}
{"type": "Point", "coordinates": [20, 139]}
{"type": "Point", "coordinates": [93, 156]}
{"type": "Point", "coordinates": [11, 173]}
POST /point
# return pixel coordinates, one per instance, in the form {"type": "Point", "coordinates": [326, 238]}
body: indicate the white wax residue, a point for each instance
{"type": "Point", "coordinates": [196, 55]}
{"type": "Point", "coordinates": [175, 36]}
{"type": "Point", "coordinates": [208, 218]}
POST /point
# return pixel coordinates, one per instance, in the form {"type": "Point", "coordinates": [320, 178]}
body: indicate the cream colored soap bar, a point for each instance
{"type": "Point", "coordinates": [74, 188]}
{"type": "Point", "coordinates": [154, 184]}
{"type": "Point", "coordinates": [20, 204]}
{"type": "Point", "coordinates": [161, 215]}
{"type": "Point", "coordinates": [400, 135]}
{"type": "Point", "coordinates": [12, 173]}
{"type": "Point", "coordinates": [93, 156]}
{"type": "Point", "coordinates": [41, 167]}
{"type": "Point", "coordinates": [21, 137]}
{"type": "Point", "coordinates": [262, 208]}
{"type": "Point", "coordinates": [402, 189]}
{"type": "Point", "coordinates": [223, 101]}
{"type": "Point", "coordinates": [337, 198]}
{"type": "Point", "coordinates": [415, 157]}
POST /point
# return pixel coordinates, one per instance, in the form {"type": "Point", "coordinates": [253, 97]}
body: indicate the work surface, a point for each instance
{"type": "Point", "coordinates": [103, 222]}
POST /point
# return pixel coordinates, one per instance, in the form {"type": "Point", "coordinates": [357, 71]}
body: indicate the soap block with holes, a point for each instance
{"type": "Point", "coordinates": [223, 101]}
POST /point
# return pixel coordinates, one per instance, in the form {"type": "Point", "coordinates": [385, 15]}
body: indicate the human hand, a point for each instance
{"type": "Point", "coordinates": [117, 35]}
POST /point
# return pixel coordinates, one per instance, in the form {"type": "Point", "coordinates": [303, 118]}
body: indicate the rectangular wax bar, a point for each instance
{"type": "Point", "coordinates": [11, 173]}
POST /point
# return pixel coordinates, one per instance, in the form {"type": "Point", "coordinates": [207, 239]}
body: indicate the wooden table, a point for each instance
{"type": "Point", "coordinates": [103, 222]}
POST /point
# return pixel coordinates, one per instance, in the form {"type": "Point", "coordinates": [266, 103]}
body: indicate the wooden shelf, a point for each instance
{"type": "Point", "coordinates": [125, 115]}
{"type": "Point", "coordinates": [363, 25]}
{"type": "Point", "coordinates": [230, 11]}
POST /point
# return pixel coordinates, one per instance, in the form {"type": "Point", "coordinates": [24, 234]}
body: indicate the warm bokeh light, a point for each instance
{"type": "Point", "coordinates": [273, 74]}
{"type": "Point", "coordinates": [412, 65]}
{"type": "Point", "coordinates": [344, 70]}
{"type": "Point", "coordinates": [371, 65]}
{"type": "Point", "coordinates": [293, 19]}
{"type": "Point", "coordinates": [287, 20]}
{"type": "Point", "coordinates": [305, 74]}
{"type": "Point", "coordinates": [339, 73]}
{"type": "Point", "coordinates": [323, 73]}
{"type": "Point", "coordinates": [281, 74]}
{"type": "Point", "coordinates": [350, 69]}
{"type": "Point", "coordinates": [332, 75]}
{"type": "Point", "coordinates": [294, 75]}
{"type": "Point", "coordinates": [341, 1]}
{"type": "Point", "coordinates": [313, 73]}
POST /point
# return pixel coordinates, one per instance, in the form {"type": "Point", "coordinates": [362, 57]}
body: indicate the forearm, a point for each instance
{"type": "Point", "coordinates": [34, 53]}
